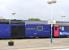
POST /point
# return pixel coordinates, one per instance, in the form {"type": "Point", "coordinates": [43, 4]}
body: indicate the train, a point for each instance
{"type": "Point", "coordinates": [20, 29]}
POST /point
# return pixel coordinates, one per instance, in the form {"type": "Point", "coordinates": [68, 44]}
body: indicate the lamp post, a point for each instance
{"type": "Point", "coordinates": [52, 20]}
{"type": "Point", "coordinates": [63, 17]}
{"type": "Point", "coordinates": [13, 14]}
{"type": "Point", "coordinates": [11, 43]}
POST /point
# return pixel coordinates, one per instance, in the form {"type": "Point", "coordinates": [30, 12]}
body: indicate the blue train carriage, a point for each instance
{"type": "Point", "coordinates": [35, 29]}
{"type": "Point", "coordinates": [17, 29]}
{"type": "Point", "coordinates": [64, 29]}
{"type": "Point", "coordinates": [4, 29]}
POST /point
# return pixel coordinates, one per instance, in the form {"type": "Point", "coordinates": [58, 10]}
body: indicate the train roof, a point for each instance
{"type": "Point", "coordinates": [36, 22]}
{"type": "Point", "coordinates": [32, 22]}
{"type": "Point", "coordinates": [22, 21]}
{"type": "Point", "coordinates": [6, 21]}
{"type": "Point", "coordinates": [62, 22]}
{"type": "Point", "coordinates": [17, 21]}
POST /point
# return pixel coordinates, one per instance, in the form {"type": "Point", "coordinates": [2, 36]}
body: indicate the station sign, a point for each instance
{"type": "Point", "coordinates": [51, 22]}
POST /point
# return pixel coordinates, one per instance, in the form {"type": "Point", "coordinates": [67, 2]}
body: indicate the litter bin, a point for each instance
{"type": "Point", "coordinates": [11, 43]}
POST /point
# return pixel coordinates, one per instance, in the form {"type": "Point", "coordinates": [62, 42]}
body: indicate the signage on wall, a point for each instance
{"type": "Point", "coordinates": [51, 22]}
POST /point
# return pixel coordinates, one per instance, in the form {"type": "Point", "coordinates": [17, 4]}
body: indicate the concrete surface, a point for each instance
{"type": "Point", "coordinates": [35, 44]}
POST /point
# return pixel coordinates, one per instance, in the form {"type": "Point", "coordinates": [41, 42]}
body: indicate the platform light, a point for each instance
{"type": "Point", "coordinates": [51, 1]}
{"type": "Point", "coordinates": [13, 13]}
{"type": "Point", "coordinates": [53, 22]}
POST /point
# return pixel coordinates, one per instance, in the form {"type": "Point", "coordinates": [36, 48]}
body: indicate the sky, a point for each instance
{"type": "Point", "coordinates": [26, 9]}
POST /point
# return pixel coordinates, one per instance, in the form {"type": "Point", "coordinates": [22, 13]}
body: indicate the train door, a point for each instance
{"type": "Point", "coordinates": [64, 31]}
{"type": "Point", "coordinates": [18, 31]}
{"type": "Point", "coordinates": [56, 30]}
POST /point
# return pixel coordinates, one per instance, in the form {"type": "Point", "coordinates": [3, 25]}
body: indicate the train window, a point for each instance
{"type": "Point", "coordinates": [30, 28]}
{"type": "Point", "coordinates": [40, 28]}
{"type": "Point", "coordinates": [62, 28]}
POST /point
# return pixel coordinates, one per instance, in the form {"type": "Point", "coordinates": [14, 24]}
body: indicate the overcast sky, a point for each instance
{"type": "Point", "coordinates": [25, 9]}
